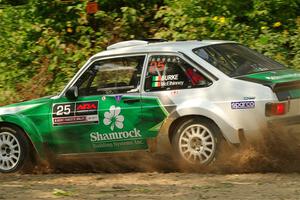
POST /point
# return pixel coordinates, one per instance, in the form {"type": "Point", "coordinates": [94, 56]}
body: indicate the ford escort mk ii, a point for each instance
{"type": "Point", "coordinates": [181, 98]}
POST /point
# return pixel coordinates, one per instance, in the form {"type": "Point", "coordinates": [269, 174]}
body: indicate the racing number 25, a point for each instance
{"type": "Point", "coordinates": [63, 110]}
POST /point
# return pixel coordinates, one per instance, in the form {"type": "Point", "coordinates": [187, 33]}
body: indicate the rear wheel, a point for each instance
{"type": "Point", "coordinates": [196, 141]}
{"type": "Point", "coordinates": [14, 149]}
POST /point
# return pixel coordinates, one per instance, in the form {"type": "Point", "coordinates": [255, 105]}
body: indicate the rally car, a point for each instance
{"type": "Point", "coordinates": [181, 98]}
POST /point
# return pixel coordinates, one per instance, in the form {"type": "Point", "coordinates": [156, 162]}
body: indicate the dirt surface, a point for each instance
{"type": "Point", "coordinates": [150, 186]}
{"type": "Point", "coordinates": [269, 170]}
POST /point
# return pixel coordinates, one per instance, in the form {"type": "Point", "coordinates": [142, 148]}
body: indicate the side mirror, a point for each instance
{"type": "Point", "coordinates": [72, 93]}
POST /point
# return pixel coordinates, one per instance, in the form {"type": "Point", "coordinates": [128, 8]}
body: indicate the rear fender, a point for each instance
{"type": "Point", "coordinates": [208, 110]}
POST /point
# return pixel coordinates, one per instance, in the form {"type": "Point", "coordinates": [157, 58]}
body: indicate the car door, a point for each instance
{"type": "Point", "coordinates": [106, 116]}
{"type": "Point", "coordinates": [167, 80]}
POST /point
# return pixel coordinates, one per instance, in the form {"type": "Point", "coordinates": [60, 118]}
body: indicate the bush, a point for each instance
{"type": "Point", "coordinates": [44, 42]}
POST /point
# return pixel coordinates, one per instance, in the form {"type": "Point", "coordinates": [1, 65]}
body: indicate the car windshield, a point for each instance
{"type": "Point", "coordinates": [236, 60]}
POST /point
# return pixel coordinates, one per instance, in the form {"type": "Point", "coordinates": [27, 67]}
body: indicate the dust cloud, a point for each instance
{"type": "Point", "coordinates": [276, 152]}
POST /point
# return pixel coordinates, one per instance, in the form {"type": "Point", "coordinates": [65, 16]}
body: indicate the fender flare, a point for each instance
{"type": "Point", "coordinates": [29, 129]}
{"type": "Point", "coordinates": [207, 110]}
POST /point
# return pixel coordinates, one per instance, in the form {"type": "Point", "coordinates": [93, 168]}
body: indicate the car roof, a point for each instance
{"type": "Point", "coordinates": [140, 46]}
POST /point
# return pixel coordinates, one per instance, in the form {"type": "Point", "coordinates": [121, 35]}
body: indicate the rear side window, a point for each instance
{"type": "Point", "coordinates": [236, 60]}
{"type": "Point", "coordinates": [168, 72]}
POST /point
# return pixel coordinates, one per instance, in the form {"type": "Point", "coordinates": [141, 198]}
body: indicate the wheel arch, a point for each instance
{"type": "Point", "coordinates": [174, 125]}
{"type": "Point", "coordinates": [219, 118]}
{"type": "Point", "coordinates": [33, 139]}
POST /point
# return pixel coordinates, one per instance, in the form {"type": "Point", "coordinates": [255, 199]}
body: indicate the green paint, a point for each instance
{"type": "Point", "coordinates": [108, 131]}
{"type": "Point", "coordinates": [156, 127]}
{"type": "Point", "coordinates": [278, 76]}
{"type": "Point", "coordinates": [153, 115]}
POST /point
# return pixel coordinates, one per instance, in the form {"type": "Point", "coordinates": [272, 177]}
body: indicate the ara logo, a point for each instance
{"type": "Point", "coordinates": [113, 118]}
{"type": "Point", "coordinates": [87, 106]}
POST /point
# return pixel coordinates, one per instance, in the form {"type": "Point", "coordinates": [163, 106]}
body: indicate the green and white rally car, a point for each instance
{"type": "Point", "coordinates": [181, 97]}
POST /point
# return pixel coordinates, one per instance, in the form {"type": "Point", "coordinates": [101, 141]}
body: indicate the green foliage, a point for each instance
{"type": "Point", "coordinates": [269, 26]}
{"type": "Point", "coordinates": [13, 2]}
{"type": "Point", "coordinates": [44, 42]}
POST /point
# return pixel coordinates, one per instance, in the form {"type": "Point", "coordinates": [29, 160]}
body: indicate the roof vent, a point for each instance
{"type": "Point", "coordinates": [129, 43]}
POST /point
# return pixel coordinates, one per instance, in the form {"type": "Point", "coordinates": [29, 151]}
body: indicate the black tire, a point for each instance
{"type": "Point", "coordinates": [196, 141]}
{"type": "Point", "coordinates": [14, 150]}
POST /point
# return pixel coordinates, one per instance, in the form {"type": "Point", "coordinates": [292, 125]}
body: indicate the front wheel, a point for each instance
{"type": "Point", "coordinates": [196, 141]}
{"type": "Point", "coordinates": [13, 149]}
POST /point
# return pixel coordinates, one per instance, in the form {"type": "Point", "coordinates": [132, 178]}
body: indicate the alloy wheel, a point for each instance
{"type": "Point", "coordinates": [197, 144]}
{"type": "Point", "coordinates": [10, 151]}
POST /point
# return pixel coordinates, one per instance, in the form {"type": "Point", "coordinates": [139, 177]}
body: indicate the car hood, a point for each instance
{"type": "Point", "coordinates": [22, 106]}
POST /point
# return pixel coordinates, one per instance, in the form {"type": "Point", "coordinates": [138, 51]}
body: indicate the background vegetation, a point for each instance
{"type": "Point", "coordinates": [44, 42]}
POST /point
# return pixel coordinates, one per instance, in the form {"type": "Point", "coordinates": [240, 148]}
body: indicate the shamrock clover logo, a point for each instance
{"type": "Point", "coordinates": [113, 118]}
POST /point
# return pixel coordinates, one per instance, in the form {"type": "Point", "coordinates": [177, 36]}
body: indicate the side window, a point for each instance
{"type": "Point", "coordinates": [112, 76]}
{"type": "Point", "coordinates": [166, 72]}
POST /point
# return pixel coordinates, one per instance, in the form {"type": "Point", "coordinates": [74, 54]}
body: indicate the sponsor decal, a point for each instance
{"type": "Point", "coordinates": [118, 98]}
{"type": "Point", "coordinates": [75, 113]}
{"type": "Point", "coordinates": [158, 64]}
{"type": "Point", "coordinates": [249, 98]}
{"type": "Point", "coordinates": [167, 83]}
{"type": "Point", "coordinates": [173, 77]}
{"type": "Point", "coordinates": [243, 105]}
{"type": "Point", "coordinates": [87, 108]}
{"type": "Point", "coordinates": [96, 136]}
{"type": "Point", "coordinates": [118, 144]}
{"type": "Point", "coordinates": [166, 80]}
{"type": "Point", "coordinates": [113, 118]}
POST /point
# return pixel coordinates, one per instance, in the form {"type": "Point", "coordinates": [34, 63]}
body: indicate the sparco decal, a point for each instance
{"type": "Point", "coordinates": [243, 105]}
{"type": "Point", "coordinates": [75, 113]}
{"type": "Point", "coordinates": [97, 137]}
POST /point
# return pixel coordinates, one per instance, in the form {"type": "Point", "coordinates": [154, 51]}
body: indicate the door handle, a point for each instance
{"type": "Point", "coordinates": [128, 101]}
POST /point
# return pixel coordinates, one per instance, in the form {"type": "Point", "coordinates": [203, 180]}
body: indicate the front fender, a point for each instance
{"type": "Point", "coordinates": [29, 128]}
